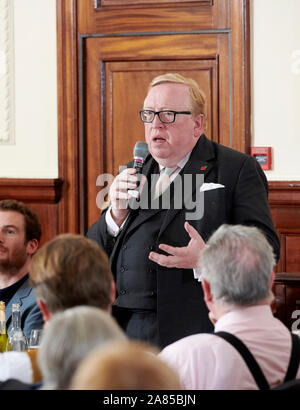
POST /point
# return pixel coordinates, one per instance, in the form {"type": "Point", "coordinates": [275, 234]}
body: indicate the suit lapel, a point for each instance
{"type": "Point", "coordinates": [200, 162]}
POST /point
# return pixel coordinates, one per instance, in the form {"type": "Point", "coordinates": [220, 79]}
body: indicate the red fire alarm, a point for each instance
{"type": "Point", "coordinates": [263, 155]}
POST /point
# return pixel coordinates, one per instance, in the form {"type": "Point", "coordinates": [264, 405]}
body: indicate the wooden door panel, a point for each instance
{"type": "Point", "coordinates": [142, 15]}
{"type": "Point", "coordinates": [103, 3]}
{"type": "Point", "coordinates": [155, 47]}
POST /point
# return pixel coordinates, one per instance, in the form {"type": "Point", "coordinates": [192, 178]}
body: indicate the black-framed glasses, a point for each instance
{"type": "Point", "coordinates": [166, 116]}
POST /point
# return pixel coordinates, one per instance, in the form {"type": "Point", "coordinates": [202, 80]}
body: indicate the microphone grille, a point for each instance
{"type": "Point", "coordinates": [140, 150]}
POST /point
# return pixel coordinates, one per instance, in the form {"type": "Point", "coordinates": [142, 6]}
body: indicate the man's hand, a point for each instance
{"type": "Point", "coordinates": [181, 257]}
{"type": "Point", "coordinates": [118, 194]}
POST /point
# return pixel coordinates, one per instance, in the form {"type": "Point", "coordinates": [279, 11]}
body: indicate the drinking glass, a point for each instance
{"type": "Point", "coordinates": [35, 338]}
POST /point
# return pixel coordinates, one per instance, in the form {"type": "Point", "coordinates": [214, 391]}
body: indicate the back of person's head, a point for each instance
{"type": "Point", "coordinates": [124, 366]}
{"type": "Point", "coordinates": [69, 271]}
{"type": "Point", "coordinates": [32, 224]}
{"type": "Point", "coordinates": [238, 262]}
{"type": "Point", "coordinates": [197, 96]}
{"type": "Point", "coordinates": [68, 337]}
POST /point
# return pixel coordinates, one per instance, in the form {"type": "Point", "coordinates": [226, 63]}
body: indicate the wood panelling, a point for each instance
{"type": "Point", "coordinates": [68, 114]}
{"type": "Point", "coordinates": [102, 3]}
{"type": "Point", "coordinates": [41, 195]}
{"type": "Point", "coordinates": [292, 246]}
{"type": "Point", "coordinates": [240, 54]}
{"type": "Point", "coordinates": [33, 190]}
{"type": "Point", "coordinates": [284, 199]}
{"type": "Point", "coordinates": [287, 299]}
{"type": "Point", "coordinates": [143, 16]}
{"type": "Point", "coordinates": [284, 193]}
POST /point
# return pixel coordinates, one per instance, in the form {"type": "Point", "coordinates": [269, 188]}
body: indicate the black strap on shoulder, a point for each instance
{"type": "Point", "coordinates": [249, 359]}
{"type": "Point", "coordinates": [294, 359]}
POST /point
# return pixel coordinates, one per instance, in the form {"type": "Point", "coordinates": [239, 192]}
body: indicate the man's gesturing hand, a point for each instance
{"type": "Point", "coordinates": [181, 257]}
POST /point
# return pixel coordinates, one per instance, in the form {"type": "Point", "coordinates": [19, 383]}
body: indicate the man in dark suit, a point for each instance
{"type": "Point", "coordinates": [156, 303]}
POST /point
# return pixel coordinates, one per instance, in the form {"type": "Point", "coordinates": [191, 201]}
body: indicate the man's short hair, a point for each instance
{"type": "Point", "coordinates": [32, 225]}
{"type": "Point", "coordinates": [71, 270]}
{"type": "Point", "coordinates": [197, 96]}
{"type": "Point", "coordinates": [238, 262]}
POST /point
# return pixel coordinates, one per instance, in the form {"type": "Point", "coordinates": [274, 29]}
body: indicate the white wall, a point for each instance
{"type": "Point", "coordinates": [35, 153]}
{"type": "Point", "coordinates": [276, 83]}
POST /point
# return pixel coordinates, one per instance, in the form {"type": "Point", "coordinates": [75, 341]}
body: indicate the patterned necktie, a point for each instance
{"type": "Point", "coordinates": [164, 180]}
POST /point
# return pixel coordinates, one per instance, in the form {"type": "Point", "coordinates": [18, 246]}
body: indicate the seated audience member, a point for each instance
{"type": "Point", "coordinates": [237, 274]}
{"type": "Point", "coordinates": [20, 233]}
{"type": "Point", "coordinates": [68, 271]}
{"type": "Point", "coordinates": [124, 366]}
{"type": "Point", "coordinates": [69, 337]}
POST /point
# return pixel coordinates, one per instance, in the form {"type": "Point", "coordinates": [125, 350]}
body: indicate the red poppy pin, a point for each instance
{"type": "Point", "coordinates": [203, 168]}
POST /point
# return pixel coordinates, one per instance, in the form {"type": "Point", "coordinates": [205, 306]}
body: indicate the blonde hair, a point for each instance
{"type": "Point", "coordinates": [197, 96]}
{"type": "Point", "coordinates": [124, 366]}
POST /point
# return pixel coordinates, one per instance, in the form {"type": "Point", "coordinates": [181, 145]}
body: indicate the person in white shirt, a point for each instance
{"type": "Point", "coordinates": [236, 268]}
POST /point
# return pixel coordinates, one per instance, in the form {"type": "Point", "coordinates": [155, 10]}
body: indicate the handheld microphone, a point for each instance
{"type": "Point", "coordinates": [140, 153]}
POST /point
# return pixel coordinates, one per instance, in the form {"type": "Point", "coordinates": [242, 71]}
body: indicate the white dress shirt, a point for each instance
{"type": "Point", "coordinates": [207, 362]}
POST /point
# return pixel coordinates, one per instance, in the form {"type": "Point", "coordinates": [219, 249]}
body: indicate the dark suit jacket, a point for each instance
{"type": "Point", "coordinates": [242, 200]}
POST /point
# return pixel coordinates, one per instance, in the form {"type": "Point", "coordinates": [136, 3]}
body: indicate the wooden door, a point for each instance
{"type": "Point", "coordinates": [122, 45]}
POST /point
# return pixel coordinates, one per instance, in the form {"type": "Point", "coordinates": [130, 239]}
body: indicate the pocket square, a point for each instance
{"type": "Point", "coordinates": [209, 186]}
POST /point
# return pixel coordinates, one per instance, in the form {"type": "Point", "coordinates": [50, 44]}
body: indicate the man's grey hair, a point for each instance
{"type": "Point", "coordinates": [69, 337]}
{"type": "Point", "coordinates": [238, 262]}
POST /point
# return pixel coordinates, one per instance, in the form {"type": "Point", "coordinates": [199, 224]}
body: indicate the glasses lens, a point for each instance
{"type": "Point", "coordinates": [167, 116]}
{"type": "Point", "coordinates": [146, 115]}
